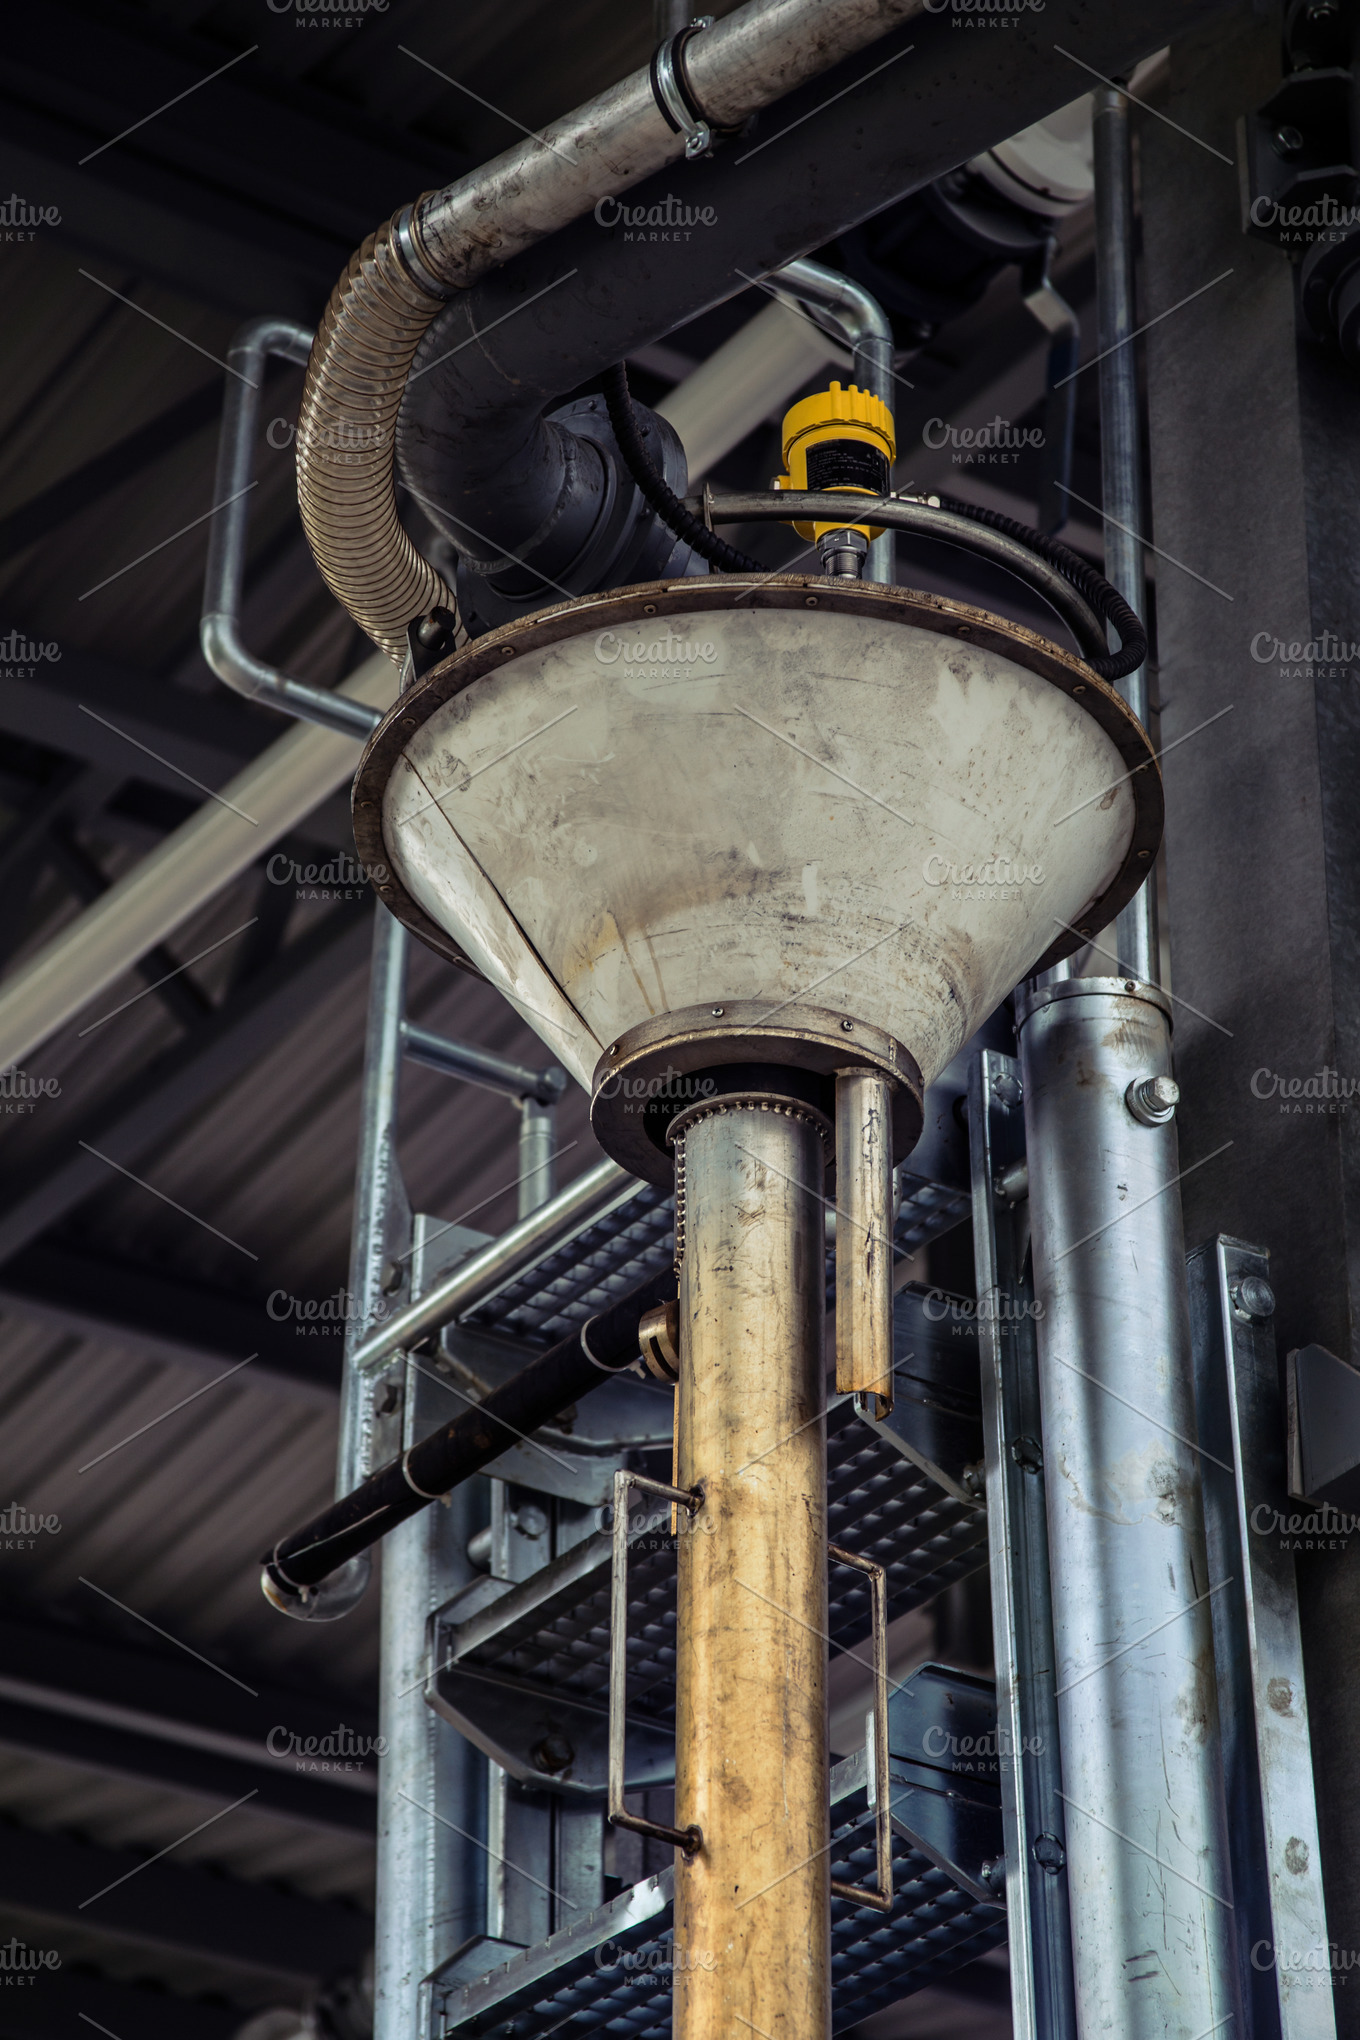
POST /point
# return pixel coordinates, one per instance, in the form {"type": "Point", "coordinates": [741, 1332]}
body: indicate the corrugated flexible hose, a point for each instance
{"type": "Point", "coordinates": [356, 377]}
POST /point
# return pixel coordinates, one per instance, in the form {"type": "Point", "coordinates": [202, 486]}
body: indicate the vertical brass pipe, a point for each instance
{"type": "Point", "coordinates": [864, 1221]}
{"type": "Point", "coordinates": [752, 1907]}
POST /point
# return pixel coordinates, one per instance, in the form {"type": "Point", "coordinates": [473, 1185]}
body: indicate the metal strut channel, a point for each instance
{"type": "Point", "coordinates": [1042, 1994]}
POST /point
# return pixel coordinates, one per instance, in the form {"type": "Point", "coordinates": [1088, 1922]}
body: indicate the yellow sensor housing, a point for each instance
{"type": "Point", "coordinates": [841, 440]}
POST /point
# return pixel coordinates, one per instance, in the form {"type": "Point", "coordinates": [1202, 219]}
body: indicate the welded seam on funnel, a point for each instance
{"type": "Point", "coordinates": [530, 948]}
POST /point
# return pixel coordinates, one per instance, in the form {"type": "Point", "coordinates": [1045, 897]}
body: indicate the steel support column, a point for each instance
{"type": "Point", "coordinates": [752, 1906]}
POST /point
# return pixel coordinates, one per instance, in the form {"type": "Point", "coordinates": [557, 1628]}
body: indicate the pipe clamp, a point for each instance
{"type": "Point", "coordinates": [674, 93]}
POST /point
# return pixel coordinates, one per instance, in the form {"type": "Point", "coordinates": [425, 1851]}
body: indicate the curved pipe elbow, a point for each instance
{"type": "Point", "coordinates": [224, 652]}
{"type": "Point", "coordinates": [332, 1598]}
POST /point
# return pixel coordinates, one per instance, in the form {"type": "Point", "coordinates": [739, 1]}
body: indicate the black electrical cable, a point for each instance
{"type": "Point", "coordinates": [663, 499]}
{"type": "Point", "coordinates": [1107, 602]}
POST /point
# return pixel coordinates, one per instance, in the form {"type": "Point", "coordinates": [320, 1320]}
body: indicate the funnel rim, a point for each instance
{"type": "Point", "coordinates": [912, 607]}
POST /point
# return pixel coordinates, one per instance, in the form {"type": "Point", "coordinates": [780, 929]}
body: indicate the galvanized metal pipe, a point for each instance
{"type": "Point", "coordinates": [473, 1280]}
{"type": "Point", "coordinates": [224, 577]}
{"type": "Point", "coordinates": [752, 1906]}
{"type": "Point", "coordinates": [537, 1142]}
{"type": "Point", "coordinates": [377, 1187]}
{"type": "Point", "coordinates": [864, 1249]}
{"type": "Point", "coordinates": [483, 1066]}
{"type": "Point", "coordinates": [1149, 1869]}
{"type": "Point", "coordinates": [1121, 445]}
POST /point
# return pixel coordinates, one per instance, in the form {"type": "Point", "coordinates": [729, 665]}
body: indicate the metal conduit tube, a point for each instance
{"type": "Point", "coordinates": [931, 522]}
{"type": "Point", "coordinates": [591, 1196]}
{"type": "Point", "coordinates": [399, 280]}
{"type": "Point", "coordinates": [863, 322]}
{"type": "Point", "coordinates": [1121, 446]}
{"type": "Point", "coordinates": [226, 836]}
{"type": "Point", "coordinates": [220, 625]}
{"type": "Point", "coordinates": [1148, 1863]}
{"type": "Point", "coordinates": [482, 1066]}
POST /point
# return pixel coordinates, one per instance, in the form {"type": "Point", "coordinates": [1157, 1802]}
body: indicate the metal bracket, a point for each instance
{"type": "Point", "coordinates": [690, 1839]}
{"type": "Point", "coordinates": [674, 94]}
{"type": "Point", "coordinates": [878, 1781]}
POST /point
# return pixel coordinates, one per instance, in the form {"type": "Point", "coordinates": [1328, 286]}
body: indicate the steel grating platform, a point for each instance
{"type": "Point", "coordinates": [552, 1630]}
{"type": "Point", "coordinates": [610, 1973]}
{"type": "Point", "coordinates": [600, 1263]}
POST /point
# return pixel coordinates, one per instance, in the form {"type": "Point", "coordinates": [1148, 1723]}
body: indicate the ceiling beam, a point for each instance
{"type": "Point", "coordinates": [172, 1909]}
{"type": "Point", "coordinates": [172, 1318]}
{"type": "Point", "coordinates": [70, 2004]}
{"type": "Point", "coordinates": [250, 194]}
{"type": "Point", "coordinates": [81, 1697]}
{"type": "Point", "coordinates": [186, 1077]}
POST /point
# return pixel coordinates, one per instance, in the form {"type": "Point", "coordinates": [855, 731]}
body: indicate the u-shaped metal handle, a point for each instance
{"type": "Point", "coordinates": [689, 1839]}
{"type": "Point", "coordinates": [882, 1899]}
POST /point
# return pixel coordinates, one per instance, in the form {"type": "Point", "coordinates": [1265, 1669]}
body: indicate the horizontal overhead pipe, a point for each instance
{"type": "Point", "coordinates": [482, 1066]}
{"type": "Point", "coordinates": [397, 282]}
{"type": "Point", "coordinates": [837, 150]}
{"type": "Point", "coordinates": [567, 1371]}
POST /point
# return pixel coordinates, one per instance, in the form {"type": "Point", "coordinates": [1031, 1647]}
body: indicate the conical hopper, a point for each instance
{"type": "Point", "coordinates": [687, 821]}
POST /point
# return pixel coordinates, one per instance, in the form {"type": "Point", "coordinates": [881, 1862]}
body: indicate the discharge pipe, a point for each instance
{"type": "Point", "coordinates": [607, 1344]}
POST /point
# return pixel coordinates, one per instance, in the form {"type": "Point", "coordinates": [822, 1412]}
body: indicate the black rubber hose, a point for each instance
{"type": "Point", "coordinates": [1107, 602]}
{"type": "Point", "coordinates": [663, 499]}
{"type": "Point", "coordinates": [511, 1413]}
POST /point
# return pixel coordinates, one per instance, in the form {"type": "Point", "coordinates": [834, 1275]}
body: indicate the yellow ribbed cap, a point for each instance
{"type": "Point", "coordinates": [866, 416]}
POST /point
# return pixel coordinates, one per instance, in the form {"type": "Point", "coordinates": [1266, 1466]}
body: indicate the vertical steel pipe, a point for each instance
{"type": "Point", "coordinates": [867, 330]}
{"type": "Point", "coordinates": [1146, 1834]}
{"type": "Point", "coordinates": [379, 1198]}
{"type": "Point", "coordinates": [864, 1222]}
{"type": "Point", "coordinates": [752, 1907]}
{"type": "Point", "coordinates": [1121, 445]}
{"type": "Point", "coordinates": [537, 1139]}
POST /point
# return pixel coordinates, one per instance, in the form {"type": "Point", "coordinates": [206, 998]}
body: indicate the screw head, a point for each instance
{"type": "Point", "coordinates": [1006, 1089]}
{"type": "Point", "coordinates": [1049, 1853]}
{"type": "Point", "coordinates": [848, 1026]}
{"type": "Point", "coordinates": [1253, 1299]}
{"type": "Point", "coordinates": [1287, 140]}
{"type": "Point", "coordinates": [718, 1012]}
